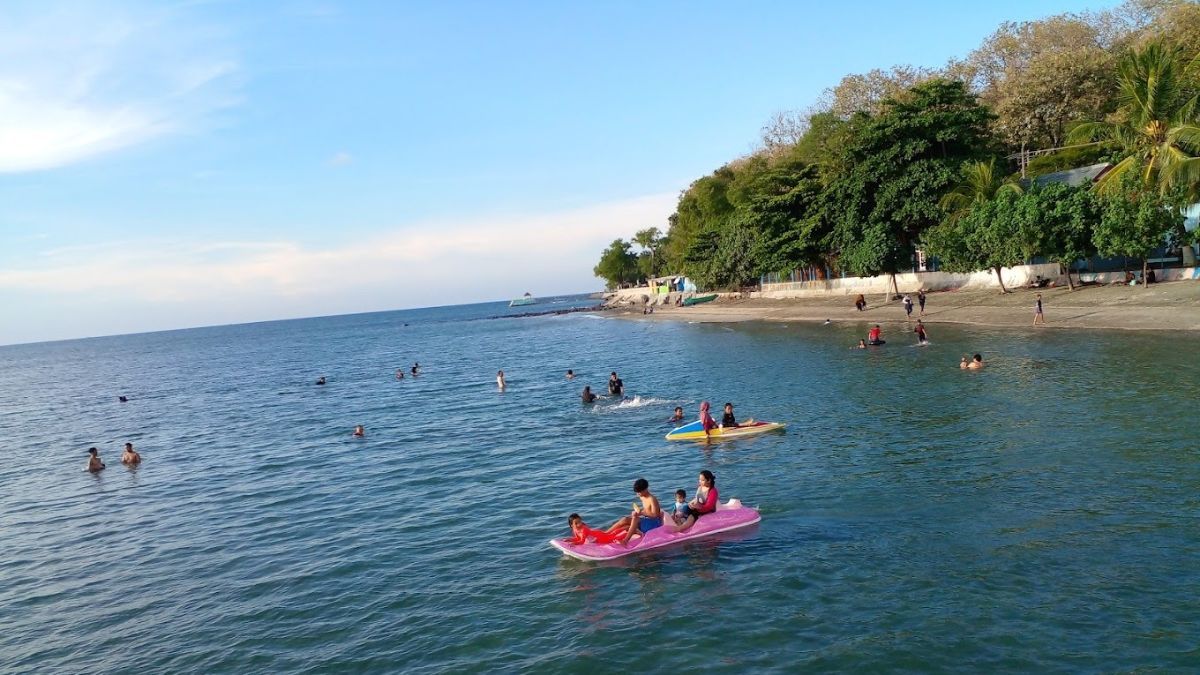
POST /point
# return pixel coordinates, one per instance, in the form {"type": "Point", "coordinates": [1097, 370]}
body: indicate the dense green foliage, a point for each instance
{"type": "Point", "coordinates": [1135, 220]}
{"type": "Point", "coordinates": [896, 159]}
{"type": "Point", "coordinates": [618, 265]}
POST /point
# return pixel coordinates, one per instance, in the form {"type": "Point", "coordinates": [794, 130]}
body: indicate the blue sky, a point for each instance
{"type": "Point", "coordinates": [174, 165]}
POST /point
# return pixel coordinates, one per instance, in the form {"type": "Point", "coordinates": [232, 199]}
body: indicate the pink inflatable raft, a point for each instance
{"type": "Point", "coordinates": [729, 516]}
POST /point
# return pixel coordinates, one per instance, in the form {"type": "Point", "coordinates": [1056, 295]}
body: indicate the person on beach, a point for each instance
{"type": "Point", "coordinates": [908, 307]}
{"type": "Point", "coordinates": [862, 344]}
{"type": "Point", "coordinates": [875, 335]}
{"type": "Point", "coordinates": [94, 463]}
{"type": "Point", "coordinates": [1038, 317]}
{"type": "Point", "coordinates": [922, 337]}
{"type": "Point", "coordinates": [500, 380]}
{"type": "Point", "coordinates": [706, 419]}
{"type": "Point", "coordinates": [921, 300]}
{"type": "Point", "coordinates": [130, 457]}
{"type": "Point", "coordinates": [321, 380]}
{"type": "Point", "coordinates": [359, 432]}
{"type": "Point", "coordinates": [616, 387]}
{"type": "Point", "coordinates": [645, 516]}
{"type": "Point", "coordinates": [678, 416]}
{"type": "Point", "coordinates": [704, 502]}
{"type": "Point", "coordinates": [588, 396]}
{"type": "Point", "coordinates": [570, 374]}
{"type": "Point", "coordinates": [860, 302]}
{"type": "Point", "coordinates": [399, 373]}
{"type": "Point", "coordinates": [727, 420]}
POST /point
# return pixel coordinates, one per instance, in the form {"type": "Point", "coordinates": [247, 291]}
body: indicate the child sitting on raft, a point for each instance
{"type": "Point", "coordinates": [681, 507]}
{"type": "Point", "coordinates": [582, 532]}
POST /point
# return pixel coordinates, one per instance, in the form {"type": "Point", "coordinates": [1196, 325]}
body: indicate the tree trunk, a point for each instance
{"type": "Point", "coordinates": [1144, 277]}
{"type": "Point", "coordinates": [1070, 284]}
{"type": "Point", "coordinates": [1000, 279]}
{"type": "Point", "coordinates": [895, 288]}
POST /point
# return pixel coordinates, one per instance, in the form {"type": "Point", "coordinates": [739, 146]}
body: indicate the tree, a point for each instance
{"type": "Point", "coordinates": [868, 92]}
{"type": "Point", "coordinates": [649, 240]}
{"type": "Point", "coordinates": [618, 264]}
{"type": "Point", "coordinates": [987, 236]}
{"type": "Point", "coordinates": [894, 171]}
{"type": "Point", "coordinates": [978, 182]}
{"type": "Point", "coordinates": [1135, 221]}
{"type": "Point", "coordinates": [1063, 220]}
{"type": "Point", "coordinates": [1157, 131]}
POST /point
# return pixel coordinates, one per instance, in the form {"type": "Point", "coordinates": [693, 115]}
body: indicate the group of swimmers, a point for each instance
{"type": "Point", "coordinates": [129, 458]}
{"type": "Point", "coordinates": [616, 388]}
{"type": "Point", "coordinates": [648, 514]}
{"type": "Point", "coordinates": [875, 336]}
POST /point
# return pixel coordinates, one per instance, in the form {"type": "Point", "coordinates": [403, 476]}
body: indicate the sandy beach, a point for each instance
{"type": "Point", "coordinates": [1166, 306]}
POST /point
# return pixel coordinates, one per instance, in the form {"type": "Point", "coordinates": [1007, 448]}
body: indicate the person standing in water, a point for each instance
{"type": "Point", "coordinates": [359, 432]}
{"type": "Point", "coordinates": [706, 420]}
{"type": "Point", "coordinates": [874, 335]}
{"type": "Point", "coordinates": [130, 457]}
{"type": "Point", "coordinates": [94, 464]}
{"type": "Point", "coordinates": [588, 396]}
{"type": "Point", "coordinates": [570, 374]}
{"type": "Point", "coordinates": [616, 387]}
{"type": "Point", "coordinates": [1038, 317]}
{"type": "Point", "coordinates": [500, 380]}
{"type": "Point", "coordinates": [921, 300]}
{"type": "Point", "coordinates": [922, 337]}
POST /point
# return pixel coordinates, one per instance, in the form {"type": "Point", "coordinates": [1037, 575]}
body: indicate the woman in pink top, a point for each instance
{"type": "Point", "coordinates": [705, 501]}
{"type": "Point", "coordinates": [706, 419]}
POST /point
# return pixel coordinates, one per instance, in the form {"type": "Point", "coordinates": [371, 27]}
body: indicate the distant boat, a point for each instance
{"type": "Point", "coordinates": [698, 300]}
{"type": "Point", "coordinates": [527, 299]}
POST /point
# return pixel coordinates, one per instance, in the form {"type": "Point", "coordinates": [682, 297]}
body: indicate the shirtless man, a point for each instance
{"type": "Point", "coordinates": [130, 457]}
{"type": "Point", "coordinates": [645, 517]}
{"type": "Point", "coordinates": [500, 382]}
{"type": "Point", "coordinates": [974, 364]}
{"type": "Point", "coordinates": [94, 464]}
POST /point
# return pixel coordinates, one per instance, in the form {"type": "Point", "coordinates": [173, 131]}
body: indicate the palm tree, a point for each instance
{"type": "Point", "coordinates": [979, 183]}
{"type": "Point", "coordinates": [1156, 126]}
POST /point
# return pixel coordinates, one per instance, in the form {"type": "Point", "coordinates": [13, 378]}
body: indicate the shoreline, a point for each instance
{"type": "Point", "coordinates": [1167, 306]}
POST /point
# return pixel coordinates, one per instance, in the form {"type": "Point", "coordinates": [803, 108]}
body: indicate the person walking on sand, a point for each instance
{"type": "Point", "coordinates": [908, 308]}
{"type": "Point", "coordinates": [1038, 317]}
{"type": "Point", "coordinates": [921, 300]}
{"type": "Point", "coordinates": [860, 302]}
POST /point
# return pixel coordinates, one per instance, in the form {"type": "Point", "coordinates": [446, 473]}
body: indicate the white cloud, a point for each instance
{"type": "Point", "coordinates": [422, 264]}
{"type": "Point", "coordinates": [81, 80]}
{"type": "Point", "coordinates": [341, 158]}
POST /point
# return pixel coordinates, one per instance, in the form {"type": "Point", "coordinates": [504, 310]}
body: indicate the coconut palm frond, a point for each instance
{"type": "Point", "coordinates": [1111, 180]}
{"type": "Point", "coordinates": [1089, 132]}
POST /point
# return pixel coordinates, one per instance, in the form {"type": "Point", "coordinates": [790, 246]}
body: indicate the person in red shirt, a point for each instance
{"type": "Point", "coordinates": [873, 335]}
{"type": "Point", "coordinates": [705, 502]}
{"type": "Point", "coordinates": [706, 419]}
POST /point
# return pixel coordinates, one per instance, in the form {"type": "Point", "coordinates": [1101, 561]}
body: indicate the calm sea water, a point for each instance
{"type": "Point", "coordinates": [1040, 515]}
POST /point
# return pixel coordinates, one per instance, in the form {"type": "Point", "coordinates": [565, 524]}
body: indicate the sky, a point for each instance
{"type": "Point", "coordinates": [168, 165]}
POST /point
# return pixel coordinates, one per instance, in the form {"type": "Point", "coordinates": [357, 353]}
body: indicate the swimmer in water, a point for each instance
{"type": "Point", "coordinates": [416, 369]}
{"type": "Point", "coordinates": [122, 399]}
{"type": "Point", "coordinates": [130, 456]}
{"type": "Point", "coordinates": [321, 380]}
{"type": "Point", "coordinates": [862, 344]}
{"type": "Point", "coordinates": [94, 464]}
{"type": "Point", "coordinates": [359, 432]}
{"type": "Point", "coordinates": [588, 396]}
{"type": "Point", "coordinates": [570, 374]}
{"type": "Point", "coordinates": [500, 380]}
{"type": "Point", "coordinates": [616, 387]}
{"type": "Point", "coordinates": [678, 416]}
{"type": "Point", "coordinates": [399, 373]}
{"type": "Point", "coordinates": [976, 363]}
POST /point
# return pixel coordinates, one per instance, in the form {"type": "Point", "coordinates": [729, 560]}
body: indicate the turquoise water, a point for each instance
{"type": "Point", "coordinates": [1040, 515]}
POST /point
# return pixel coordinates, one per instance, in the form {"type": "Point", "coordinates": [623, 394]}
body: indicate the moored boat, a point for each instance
{"type": "Point", "coordinates": [526, 299]}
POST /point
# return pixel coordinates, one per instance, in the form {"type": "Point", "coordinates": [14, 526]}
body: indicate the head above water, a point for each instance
{"type": "Point", "coordinates": [978, 357]}
{"type": "Point", "coordinates": [679, 410]}
{"type": "Point", "coordinates": [641, 485]}
{"type": "Point", "coordinates": [93, 452]}
{"type": "Point", "coordinates": [570, 372]}
{"type": "Point", "coordinates": [129, 446]}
